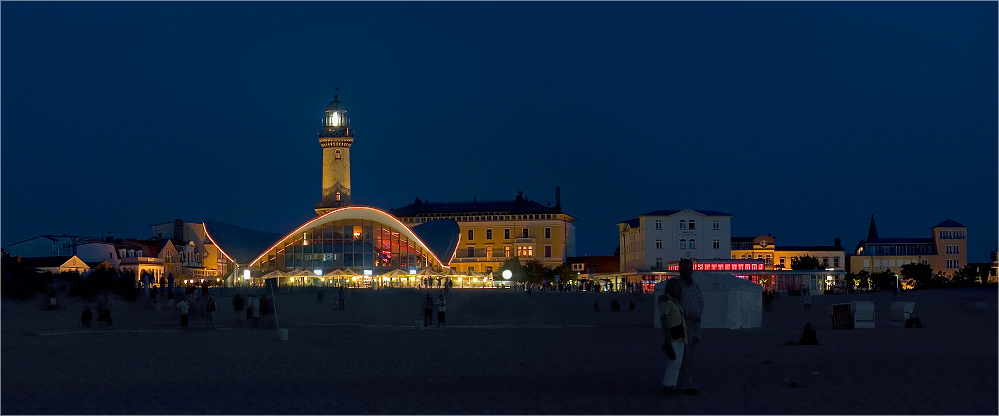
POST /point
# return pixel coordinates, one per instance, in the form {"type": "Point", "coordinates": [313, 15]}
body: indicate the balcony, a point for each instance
{"type": "Point", "coordinates": [528, 240]}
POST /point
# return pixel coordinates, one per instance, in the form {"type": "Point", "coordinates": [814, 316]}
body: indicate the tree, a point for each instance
{"type": "Point", "coordinates": [806, 263]}
{"type": "Point", "coordinates": [513, 265]}
{"type": "Point", "coordinates": [565, 273]}
{"type": "Point", "coordinates": [966, 277]}
{"type": "Point", "coordinates": [884, 280]}
{"type": "Point", "coordinates": [862, 280]}
{"type": "Point", "coordinates": [535, 271]}
{"type": "Point", "coordinates": [920, 274]}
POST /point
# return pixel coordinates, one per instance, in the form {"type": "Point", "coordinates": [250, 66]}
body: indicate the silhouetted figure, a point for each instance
{"type": "Point", "coordinates": [87, 317]}
{"type": "Point", "coordinates": [808, 336]}
{"type": "Point", "coordinates": [185, 310]}
{"type": "Point", "coordinates": [615, 305]}
{"type": "Point", "coordinates": [320, 296]}
{"type": "Point", "coordinates": [428, 310]}
{"type": "Point", "coordinates": [210, 312]}
{"type": "Point", "coordinates": [913, 322]}
{"type": "Point", "coordinates": [237, 307]}
{"type": "Point", "coordinates": [691, 307]}
{"type": "Point", "coordinates": [806, 295]}
{"type": "Point", "coordinates": [441, 303]}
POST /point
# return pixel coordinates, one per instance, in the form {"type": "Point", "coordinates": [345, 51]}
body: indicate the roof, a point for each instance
{"type": "Point", "coordinates": [242, 244]}
{"type": "Point", "coordinates": [900, 241]}
{"type": "Point", "coordinates": [440, 236]}
{"type": "Point", "coordinates": [667, 212]}
{"type": "Point", "coordinates": [633, 223]}
{"type": "Point", "coordinates": [50, 261]}
{"type": "Point", "coordinates": [808, 248]}
{"type": "Point", "coordinates": [518, 206]}
{"type": "Point", "coordinates": [949, 223]}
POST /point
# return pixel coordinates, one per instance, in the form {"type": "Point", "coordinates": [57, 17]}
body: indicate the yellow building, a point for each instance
{"type": "Point", "coordinates": [946, 251]}
{"type": "Point", "coordinates": [775, 257]}
{"type": "Point", "coordinates": [493, 231]}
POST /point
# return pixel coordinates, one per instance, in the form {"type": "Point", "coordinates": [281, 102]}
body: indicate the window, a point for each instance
{"type": "Point", "coordinates": [683, 243]}
{"type": "Point", "coordinates": [338, 197]}
{"type": "Point", "coordinates": [836, 261]}
{"type": "Point", "coordinates": [659, 224]}
{"type": "Point", "coordinates": [337, 154]}
{"type": "Point", "coordinates": [548, 251]}
{"type": "Point", "coordinates": [952, 250]}
{"type": "Point", "coordinates": [959, 235]}
{"type": "Point", "coordinates": [489, 269]}
{"type": "Point", "coordinates": [470, 235]}
{"type": "Point", "coordinates": [471, 252]}
{"type": "Point", "coordinates": [506, 233]}
{"type": "Point", "coordinates": [716, 244]}
{"type": "Point", "coordinates": [524, 233]}
{"type": "Point", "coordinates": [471, 268]}
{"type": "Point", "coordinates": [525, 251]}
{"type": "Point", "coordinates": [782, 260]}
{"type": "Point", "coordinates": [489, 233]}
{"type": "Point", "coordinates": [683, 225]}
{"type": "Point", "coordinates": [692, 243]}
{"type": "Point", "coordinates": [548, 232]}
{"type": "Point", "coordinates": [659, 243]}
{"type": "Point", "coordinates": [692, 227]}
{"type": "Point", "coordinates": [506, 251]}
{"type": "Point", "coordinates": [659, 263]}
{"type": "Point", "coordinates": [952, 264]}
{"type": "Point", "coordinates": [925, 262]}
{"type": "Point", "coordinates": [715, 225]}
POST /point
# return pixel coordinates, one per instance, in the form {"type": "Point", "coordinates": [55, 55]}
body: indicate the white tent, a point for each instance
{"type": "Point", "coordinates": [729, 302]}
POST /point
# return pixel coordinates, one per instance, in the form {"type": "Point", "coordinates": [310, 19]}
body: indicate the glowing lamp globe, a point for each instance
{"type": "Point", "coordinates": [507, 274]}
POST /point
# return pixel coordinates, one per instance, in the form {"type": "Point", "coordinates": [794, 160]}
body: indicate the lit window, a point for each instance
{"type": "Point", "coordinates": [338, 154]}
{"type": "Point", "coordinates": [338, 197]}
{"type": "Point", "coordinates": [506, 251]}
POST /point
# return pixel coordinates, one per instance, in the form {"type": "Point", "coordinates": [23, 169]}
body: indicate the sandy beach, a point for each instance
{"type": "Point", "coordinates": [501, 352]}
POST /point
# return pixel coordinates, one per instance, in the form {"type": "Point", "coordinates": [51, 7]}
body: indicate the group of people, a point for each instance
{"type": "Point", "coordinates": [257, 310]}
{"type": "Point", "coordinates": [429, 305]}
{"type": "Point", "coordinates": [203, 305]}
{"type": "Point", "coordinates": [340, 298]}
{"type": "Point", "coordinates": [104, 305]}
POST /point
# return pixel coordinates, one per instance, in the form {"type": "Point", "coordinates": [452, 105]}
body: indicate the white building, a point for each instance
{"type": "Point", "coordinates": [48, 246]}
{"type": "Point", "coordinates": [654, 239]}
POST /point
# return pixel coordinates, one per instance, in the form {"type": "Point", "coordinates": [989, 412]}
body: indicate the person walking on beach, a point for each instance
{"type": "Point", "coordinates": [254, 310]}
{"type": "Point", "coordinates": [237, 307]}
{"type": "Point", "coordinates": [674, 336]}
{"type": "Point", "coordinates": [210, 312]}
{"type": "Point", "coordinates": [691, 306]}
{"type": "Point", "coordinates": [441, 303]}
{"type": "Point", "coordinates": [428, 310]}
{"type": "Point", "coordinates": [86, 317]}
{"type": "Point", "coordinates": [806, 295]}
{"type": "Point", "coordinates": [185, 309]}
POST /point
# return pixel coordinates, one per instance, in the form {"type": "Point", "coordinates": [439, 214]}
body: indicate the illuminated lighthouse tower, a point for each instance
{"type": "Point", "coordinates": [336, 138]}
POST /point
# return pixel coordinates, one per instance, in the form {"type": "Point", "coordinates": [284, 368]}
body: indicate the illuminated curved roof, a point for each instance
{"type": "Point", "coordinates": [442, 248]}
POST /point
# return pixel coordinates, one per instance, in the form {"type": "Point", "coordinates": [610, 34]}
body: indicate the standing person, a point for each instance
{"type": "Point", "coordinates": [86, 317]}
{"type": "Point", "coordinates": [428, 310]}
{"type": "Point", "coordinates": [185, 309]}
{"type": "Point", "coordinates": [265, 309]}
{"type": "Point", "coordinates": [210, 312]}
{"type": "Point", "coordinates": [255, 311]}
{"type": "Point", "coordinates": [100, 307]}
{"type": "Point", "coordinates": [237, 307]}
{"type": "Point", "coordinates": [806, 295]}
{"type": "Point", "coordinates": [169, 286]}
{"type": "Point", "coordinates": [108, 304]}
{"type": "Point", "coordinates": [674, 335]}
{"type": "Point", "coordinates": [691, 306]}
{"type": "Point", "coordinates": [340, 298]}
{"type": "Point", "coordinates": [441, 303]}
{"type": "Point", "coordinates": [319, 297]}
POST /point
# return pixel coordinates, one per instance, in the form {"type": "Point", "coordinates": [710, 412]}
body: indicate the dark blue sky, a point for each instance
{"type": "Point", "coordinates": [800, 119]}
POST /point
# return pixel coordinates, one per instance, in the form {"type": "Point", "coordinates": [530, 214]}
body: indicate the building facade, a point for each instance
{"type": "Point", "coordinates": [494, 231]}
{"type": "Point", "coordinates": [654, 239]}
{"type": "Point", "coordinates": [48, 246]}
{"type": "Point", "coordinates": [780, 257]}
{"type": "Point", "coordinates": [945, 251]}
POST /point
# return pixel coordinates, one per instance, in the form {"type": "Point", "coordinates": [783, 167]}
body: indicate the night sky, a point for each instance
{"type": "Point", "coordinates": [800, 119]}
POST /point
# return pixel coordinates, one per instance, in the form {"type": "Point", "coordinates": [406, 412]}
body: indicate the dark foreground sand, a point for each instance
{"type": "Point", "coordinates": [502, 353]}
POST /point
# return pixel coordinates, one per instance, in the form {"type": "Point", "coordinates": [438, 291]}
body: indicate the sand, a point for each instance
{"type": "Point", "coordinates": [502, 352]}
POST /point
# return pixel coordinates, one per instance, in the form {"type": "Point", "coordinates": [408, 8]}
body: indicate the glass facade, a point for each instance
{"type": "Point", "coordinates": [354, 244]}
